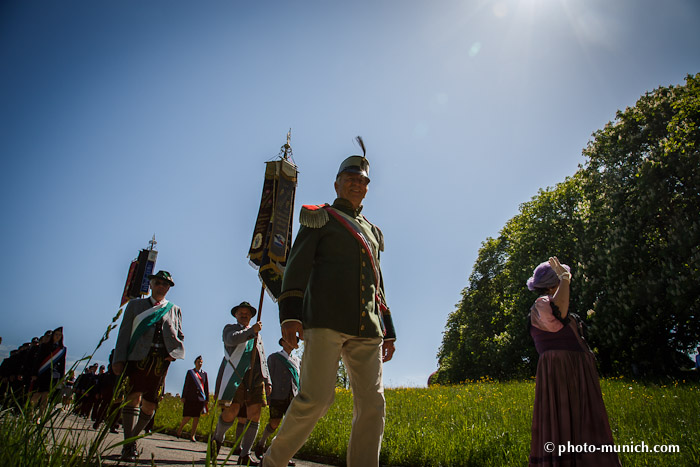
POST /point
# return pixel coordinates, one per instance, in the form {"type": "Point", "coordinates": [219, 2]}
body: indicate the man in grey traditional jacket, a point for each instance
{"type": "Point", "coordinates": [284, 371]}
{"type": "Point", "coordinates": [243, 379]}
{"type": "Point", "coordinates": [150, 337]}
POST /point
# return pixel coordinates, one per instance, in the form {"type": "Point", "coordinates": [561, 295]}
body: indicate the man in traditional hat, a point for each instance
{"type": "Point", "coordinates": [284, 371]}
{"type": "Point", "coordinates": [333, 298]}
{"type": "Point", "coordinates": [243, 379]}
{"type": "Point", "coordinates": [150, 337]}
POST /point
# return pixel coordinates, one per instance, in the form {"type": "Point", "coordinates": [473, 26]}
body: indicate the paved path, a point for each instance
{"type": "Point", "coordinates": [160, 449]}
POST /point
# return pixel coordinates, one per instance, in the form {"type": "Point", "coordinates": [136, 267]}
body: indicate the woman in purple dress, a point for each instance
{"type": "Point", "coordinates": [569, 411]}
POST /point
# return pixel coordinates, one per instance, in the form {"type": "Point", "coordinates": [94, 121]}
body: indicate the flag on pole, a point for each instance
{"type": "Point", "coordinates": [272, 236]}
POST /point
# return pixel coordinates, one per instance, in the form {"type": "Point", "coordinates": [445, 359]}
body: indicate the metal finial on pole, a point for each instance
{"type": "Point", "coordinates": [152, 242]}
{"type": "Point", "coordinates": [287, 148]}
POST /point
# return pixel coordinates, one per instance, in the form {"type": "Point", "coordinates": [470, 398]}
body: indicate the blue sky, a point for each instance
{"type": "Point", "coordinates": [123, 119]}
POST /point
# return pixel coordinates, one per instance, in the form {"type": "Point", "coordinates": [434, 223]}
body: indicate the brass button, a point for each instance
{"type": "Point", "coordinates": [362, 277]}
{"type": "Point", "coordinates": [363, 251]}
{"type": "Point", "coordinates": [362, 328]}
{"type": "Point", "coordinates": [363, 288]}
{"type": "Point", "coordinates": [364, 264]}
{"type": "Point", "coordinates": [364, 314]}
{"type": "Point", "coordinates": [363, 301]}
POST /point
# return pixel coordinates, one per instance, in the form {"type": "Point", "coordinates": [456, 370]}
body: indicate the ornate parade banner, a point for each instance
{"type": "Point", "coordinates": [137, 282]}
{"type": "Point", "coordinates": [272, 236]}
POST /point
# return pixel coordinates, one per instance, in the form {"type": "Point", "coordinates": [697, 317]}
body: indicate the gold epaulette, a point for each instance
{"type": "Point", "coordinates": [313, 216]}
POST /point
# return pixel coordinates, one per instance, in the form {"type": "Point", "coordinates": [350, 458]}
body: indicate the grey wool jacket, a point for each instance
{"type": "Point", "coordinates": [283, 385]}
{"type": "Point", "coordinates": [172, 333]}
{"type": "Point", "coordinates": [234, 335]}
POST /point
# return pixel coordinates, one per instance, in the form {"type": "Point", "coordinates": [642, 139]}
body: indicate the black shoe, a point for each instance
{"type": "Point", "coordinates": [130, 452]}
{"type": "Point", "coordinates": [247, 460]}
{"type": "Point", "coordinates": [259, 451]}
{"type": "Point", "coordinates": [291, 463]}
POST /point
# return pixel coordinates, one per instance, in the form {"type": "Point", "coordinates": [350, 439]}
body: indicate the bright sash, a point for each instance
{"type": "Point", "coordinates": [198, 381]}
{"type": "Point", "coordinates": [233, 372]}
{"type": "Point", "coordinates": [356, 230]}
{"type": "Point", "coordinates": [145, 320]}
{"type": "Point", "coordinates": [291, 367]}
{"type": "Point", "coordinates": [358, 233]}
{"type": "Point", "coordinates": [51, 359]}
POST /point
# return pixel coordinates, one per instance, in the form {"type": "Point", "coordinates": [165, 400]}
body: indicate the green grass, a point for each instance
{"type": "Point", "coordinates": [481, 423]}
{"type": "Point", "coordinates": [487, 423]}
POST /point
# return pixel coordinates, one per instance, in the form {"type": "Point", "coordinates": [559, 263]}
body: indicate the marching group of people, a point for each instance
{"type": "Point", "coordinates": [31, 370]}
{"type": "Point", "coordinates": [333, 299]}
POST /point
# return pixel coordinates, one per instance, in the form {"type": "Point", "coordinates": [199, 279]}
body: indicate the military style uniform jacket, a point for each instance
{"type": "Point", "coordinates": [172, 333]}
{"type": "Point", "coordinates": [330, 279]}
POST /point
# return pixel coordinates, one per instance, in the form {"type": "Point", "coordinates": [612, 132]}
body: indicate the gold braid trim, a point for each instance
{"type": "Point", "coordinates": [290, 294]}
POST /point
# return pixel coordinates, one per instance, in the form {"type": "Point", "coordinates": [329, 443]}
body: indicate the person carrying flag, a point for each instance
{"type": "Point", "coordinates": [150, 337]}
{"type": "Point", "coordinates": [284, 370]}
{"type": "Point", "coordinates": [333, 299]}
{"type": "Point", "coordinates": [243, 379]}
{"type": "Point", "coordinates": [195, 397]}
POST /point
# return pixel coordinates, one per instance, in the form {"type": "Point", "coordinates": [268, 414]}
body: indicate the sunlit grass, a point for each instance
{"type": "Point", "coordinates": [487, 423]}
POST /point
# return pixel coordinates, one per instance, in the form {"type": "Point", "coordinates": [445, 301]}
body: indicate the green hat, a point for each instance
{"type": "Point", "coordinates": [243, 305]}
{"type": "Point", "coordinates": [165, 275]}
{"type": "Point", "coordinates": [355, 164]}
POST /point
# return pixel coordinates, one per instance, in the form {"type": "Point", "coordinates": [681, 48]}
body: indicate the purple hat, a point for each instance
{"type": "Point", "coordinates": [544, 277]}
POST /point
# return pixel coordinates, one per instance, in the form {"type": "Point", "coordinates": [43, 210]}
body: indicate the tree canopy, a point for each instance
{"type": "Point", "coordinates": [628, 224]}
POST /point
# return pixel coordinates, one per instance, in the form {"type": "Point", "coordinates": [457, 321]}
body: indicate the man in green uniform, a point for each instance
{"type": "Point", "coordinates": [333, 298]}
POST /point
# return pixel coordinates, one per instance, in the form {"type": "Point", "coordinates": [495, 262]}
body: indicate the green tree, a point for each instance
{"type": "Point", "coordinates": [487, 334]}
{"type": "Point", "coordinates": [642, 181]}
{"type": "Point", "coordinates": [627, 223]}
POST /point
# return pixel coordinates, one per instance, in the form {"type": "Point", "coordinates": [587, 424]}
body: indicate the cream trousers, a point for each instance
{"type": "Point", "coordinates": [319, 366]}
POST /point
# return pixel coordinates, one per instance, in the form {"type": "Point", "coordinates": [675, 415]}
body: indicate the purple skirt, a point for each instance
{"type": "Point", "coordinates": [569, 411]}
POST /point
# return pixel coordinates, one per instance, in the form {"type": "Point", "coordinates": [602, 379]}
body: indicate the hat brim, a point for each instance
{"type": "Point", "coordinates": [153, 276]}
{"type": "Point", "coordinates": [354, 170]}
{"type": "Point", "coordinates": [237, 307]}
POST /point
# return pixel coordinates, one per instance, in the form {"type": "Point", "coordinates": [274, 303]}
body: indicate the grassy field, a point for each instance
{"type": "Point", "coordinates": [487, 423]}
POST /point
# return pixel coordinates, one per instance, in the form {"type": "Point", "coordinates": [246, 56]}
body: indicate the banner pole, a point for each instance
{"type": "Point", "coordinates": [260, 303]}
{"type": "Point", "coordinates": [255, 341]}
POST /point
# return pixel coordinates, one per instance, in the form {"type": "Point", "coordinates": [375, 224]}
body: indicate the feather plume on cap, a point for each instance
{"type": "Point", "coordinates": [362, 146]}
{"type": "Point", "coordinates": [355, 163]}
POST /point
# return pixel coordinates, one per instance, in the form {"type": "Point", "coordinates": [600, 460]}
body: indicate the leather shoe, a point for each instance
{"type": "Point", "coordinates": [247, 460]}
{"type": "Point", "coordinates": [129, 452]}
{"type": "Point", "coordinates": [259, 450]}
